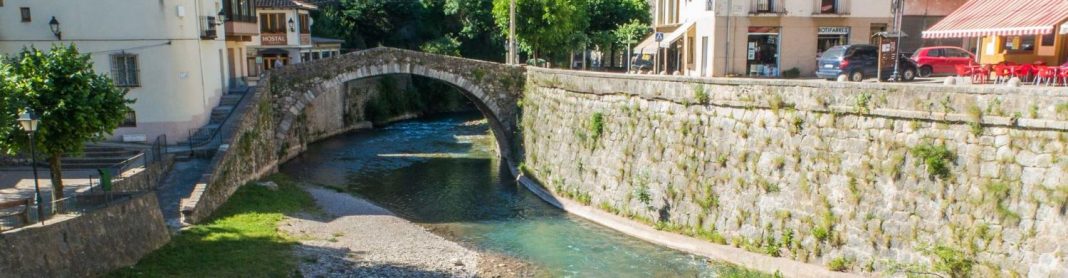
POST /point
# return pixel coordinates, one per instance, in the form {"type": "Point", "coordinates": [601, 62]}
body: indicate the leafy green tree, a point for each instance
{"type": "Point", "coordinates": [629, 34]}
{"type": "Point", "coordinates": [8, 113]}
{"type": "Point", "coordinates": [545, 27]}
{"type": "Point", "coordinates": [608, 15]}
{"type": "Point", "coordinates": [75, 105]}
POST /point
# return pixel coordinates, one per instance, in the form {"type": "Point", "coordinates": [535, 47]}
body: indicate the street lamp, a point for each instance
{"type": "Point", "coordinates": [28, 121]}
{"type": "Point", "coordinates": [54, 24]}
{"type": "Point", "coordinates": [291, 28]}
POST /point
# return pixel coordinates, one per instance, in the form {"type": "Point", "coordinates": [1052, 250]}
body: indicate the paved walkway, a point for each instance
{"type": "Point", "coordinates": [18, 184]}
{"type": "Point", "coordinates": [179, 184]}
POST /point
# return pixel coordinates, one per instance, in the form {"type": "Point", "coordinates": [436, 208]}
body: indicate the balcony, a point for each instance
{"type": "Point", "coordinates": [241, 30]}
{"type": "Point", "coordinates": [208, 30]}
{"type": "Point", "coordinates": [767, 7]}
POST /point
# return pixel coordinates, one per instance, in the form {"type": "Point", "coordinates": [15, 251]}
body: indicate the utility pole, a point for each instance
{"type": "Point", "coordinates": [899, 9]}
{"type": "Point", "coordinates": [512, 55]}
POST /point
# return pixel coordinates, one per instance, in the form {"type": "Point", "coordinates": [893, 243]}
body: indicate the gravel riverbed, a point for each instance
{"type": "Point", "coordinates": [356, 238]}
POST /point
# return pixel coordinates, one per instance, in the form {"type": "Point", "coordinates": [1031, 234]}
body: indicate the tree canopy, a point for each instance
{"type": "Point", "coordinates": [73, 103]}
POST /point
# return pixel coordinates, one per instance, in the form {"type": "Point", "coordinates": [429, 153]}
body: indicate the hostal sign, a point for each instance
{"type": "Point", "coordinates": [273, 39]}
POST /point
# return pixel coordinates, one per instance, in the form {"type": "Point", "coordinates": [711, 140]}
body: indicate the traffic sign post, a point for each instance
{"type": "Point", "coordinates": [659, 36]}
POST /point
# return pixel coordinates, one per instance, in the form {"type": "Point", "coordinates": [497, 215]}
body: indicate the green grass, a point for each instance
{"type": "Point", "coordinates": [241, 239]}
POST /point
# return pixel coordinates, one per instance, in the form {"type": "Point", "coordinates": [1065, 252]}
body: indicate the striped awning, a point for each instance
{"type": "Point", "coordinates": [977, 18]}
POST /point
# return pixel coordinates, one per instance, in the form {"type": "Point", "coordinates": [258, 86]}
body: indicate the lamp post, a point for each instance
{"type": "Point", "coordinates": [512, 57]}
{"type": "Point", "coordinates": [28, 121]}
{"type": "Point", "coordinates": [54, 25]}
{"type": "Point", "coordinates": [291, 26]}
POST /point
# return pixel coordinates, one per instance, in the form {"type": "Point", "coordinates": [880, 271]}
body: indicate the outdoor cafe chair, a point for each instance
{"type": "Point", "coordinates": [1047, 75]}
{"type": "Point", "coordinates": [1024, 72]}
{"type": "Point", "coordinates": [1002, 72]}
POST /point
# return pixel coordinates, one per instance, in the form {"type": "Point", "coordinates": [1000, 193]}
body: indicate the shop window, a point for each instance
{"type": "Point", "coordinates": [1047, 40]}
{"type": "Point", "coordinates": [130, 120]}
{"type": "Point", "coordinates": [25, 14]}
{"type": "Point", "coordinates": [1022, 43]}
{"type": "Point", "coordinates": [125, 71]}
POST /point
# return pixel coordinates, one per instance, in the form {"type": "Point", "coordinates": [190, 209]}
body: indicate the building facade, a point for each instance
{"type": "Point", "coordinates": [922, 14]}
{"type": "Point", "coordinates": [756, 37]}
{"type": "Point", "coordinates": [1022, 32]}
{"type": "Point", "coordinates": [284, 33]}
{"type": "Point", "coordinates": [170, 55]}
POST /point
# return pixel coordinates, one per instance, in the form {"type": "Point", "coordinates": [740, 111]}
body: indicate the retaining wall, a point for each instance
{"type": "Point", "coordinates": [88, 245]}
{"type": "Point", "coordinates": [814, 171]}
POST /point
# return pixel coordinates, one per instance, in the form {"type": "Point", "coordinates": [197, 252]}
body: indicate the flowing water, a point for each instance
{"type": "Point", "coordinates": [442, 173]}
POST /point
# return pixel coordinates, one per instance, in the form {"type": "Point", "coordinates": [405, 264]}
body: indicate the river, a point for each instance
{"type": "Point", "coordinates": [441, 172]}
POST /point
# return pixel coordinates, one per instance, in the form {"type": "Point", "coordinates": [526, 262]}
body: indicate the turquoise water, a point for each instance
{"type": "Point", "coordinates": [442, 173]}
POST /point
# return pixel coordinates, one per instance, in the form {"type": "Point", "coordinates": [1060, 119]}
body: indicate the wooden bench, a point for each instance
{"type": "Point", "coordinates": [23, 215]}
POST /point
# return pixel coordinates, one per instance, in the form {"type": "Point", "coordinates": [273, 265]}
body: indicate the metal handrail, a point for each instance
{"type": "Point", "coordinates": [201, 136]}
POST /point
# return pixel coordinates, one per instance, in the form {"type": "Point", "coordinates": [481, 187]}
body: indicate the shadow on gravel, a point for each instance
{"type": "Point", "coordinates": [340, 262]}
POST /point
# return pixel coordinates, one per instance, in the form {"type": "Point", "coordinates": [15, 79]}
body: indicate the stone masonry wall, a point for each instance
{"type": "Point", "coordinates": [815, 171]}
{"type": "Point", "coordinates": [88, 245]}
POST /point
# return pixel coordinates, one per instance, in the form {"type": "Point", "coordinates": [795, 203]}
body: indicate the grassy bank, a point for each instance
{"type": "Point", "coordinates": [241, 239]}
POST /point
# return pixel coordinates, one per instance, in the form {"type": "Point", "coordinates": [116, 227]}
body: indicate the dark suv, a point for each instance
{"type": "Point", "coordinates": [859, 61]}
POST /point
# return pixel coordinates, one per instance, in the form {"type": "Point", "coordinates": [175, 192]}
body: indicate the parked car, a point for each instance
{"type": "Point", "coordinates": [858, 62]}
{"type": "Point", "coordinates": [642, 62]}
{"type": "Point", "coordinates": [941, 60]}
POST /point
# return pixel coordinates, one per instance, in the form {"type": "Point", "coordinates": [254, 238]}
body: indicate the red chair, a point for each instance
{"type": "Point", "coordinates": [980, 73]}
{"type": "Point", "coordinates": [1002, 72]}
{"type": "Point", "coordinates": [1062, 74]}
{"type": "Point", "coordinates": [1024, 72]}
{"type": "Point", "coordinates": [963, 70]}
{"type": "Point", "coordinates": [1046, 74]}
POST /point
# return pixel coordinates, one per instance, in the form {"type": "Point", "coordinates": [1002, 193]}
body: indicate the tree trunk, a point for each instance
{"type": "Point", "coordinates": [612, 58]}
{"type": "Point", "coordinates": [57, 179]}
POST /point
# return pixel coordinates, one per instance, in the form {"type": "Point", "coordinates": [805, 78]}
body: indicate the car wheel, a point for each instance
{"type": "Point", "coordinates": [909, 75]}
{"type": "Point", "coordinates": [856, 76]}
{"type": "Point", "coordinates": [926, 71]}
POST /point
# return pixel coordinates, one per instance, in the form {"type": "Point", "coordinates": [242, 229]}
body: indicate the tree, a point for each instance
{"type": "Point", "coordinates": [546, 27]}
{"type": "Point", "coordinates": [75, 105]}
{"type": "Point", "coordinates": [8, 113]}
{"type": "Point", "coordinates": [606, 16]}
{"type": "Point", "coordinates": [629, 34]}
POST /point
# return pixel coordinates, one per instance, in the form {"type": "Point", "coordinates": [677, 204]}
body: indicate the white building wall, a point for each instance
{"type": "Point", "coordinates": [182, 76]}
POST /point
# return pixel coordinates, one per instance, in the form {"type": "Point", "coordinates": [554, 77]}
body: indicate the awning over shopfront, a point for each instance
{"type": "Point", "coordinates": [977, 18]}
{"type": "Point", "coordinates": [648, 45]}
{"type": "Point", "coordinates": [678, 33]}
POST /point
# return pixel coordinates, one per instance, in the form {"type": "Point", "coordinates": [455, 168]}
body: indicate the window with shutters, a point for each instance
{"type": "Point", "coordinates": [25, 14]}
{"type": "Point", "coordinates": [124, 70]}
{"type": "Point", "coordinates": [305, 24]}
{"type": "Point", "coordinates": [130, 120]}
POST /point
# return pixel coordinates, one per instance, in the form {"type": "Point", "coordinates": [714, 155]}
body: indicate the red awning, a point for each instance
{"type": "Point", "coordinates": [978, 18]}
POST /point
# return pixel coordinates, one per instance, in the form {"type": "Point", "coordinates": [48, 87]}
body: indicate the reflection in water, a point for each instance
{"type": "Point", "coordinates": [443, 173]}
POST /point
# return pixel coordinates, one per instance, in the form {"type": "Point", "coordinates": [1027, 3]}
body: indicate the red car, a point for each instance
{"type": "Point", "coordinates": [941, 60]}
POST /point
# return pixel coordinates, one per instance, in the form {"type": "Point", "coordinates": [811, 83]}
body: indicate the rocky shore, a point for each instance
{"type": "Point", "coordinates": [352, 237]}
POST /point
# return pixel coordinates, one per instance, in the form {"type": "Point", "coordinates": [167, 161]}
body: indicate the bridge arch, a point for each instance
{"type": "Point", "coordinates": [493, 88]}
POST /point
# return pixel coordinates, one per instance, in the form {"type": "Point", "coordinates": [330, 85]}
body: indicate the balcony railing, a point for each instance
{"type": "Point", "coordinates": [767, 7]}
{"type": "Point", "coordinates": [209, 30]}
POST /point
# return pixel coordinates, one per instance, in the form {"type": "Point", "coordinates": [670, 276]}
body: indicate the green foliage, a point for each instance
{"type": "Point", "coordinates": [700, 95]}
{"type": "Point", "coordinates": [445, 45]}
{"type": "Point", "coordinates": [936, 157]}
{"type": "Point", "coordinates": [545, 26]}
{"type": "Point", "coordinates": [821, 233]}
{"type": "Point", "coordinates": [975, 117]}
{"type": "Point", "coordinates": [841, 264]}
{"type": "Point", "coordinates": [596, 126]}
{"type": "Point", "coordinates": [862, 103]}
{"type": "Point", "coordinates": [642, 193]}
{"type": "Point", "coordinates": [951, 261]}
{"type": "Point", "coordinates": [241, 240]}
{"type": "Point", "coordinates": [1062, 110]}
{"type": "Point", "coordinates": [631, 32]}
{"type": "Point", "coordinates": [74, 104]}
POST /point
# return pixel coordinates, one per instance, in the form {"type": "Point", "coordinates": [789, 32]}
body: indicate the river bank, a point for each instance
{"type": "Point", "coordinates": [353, 237]}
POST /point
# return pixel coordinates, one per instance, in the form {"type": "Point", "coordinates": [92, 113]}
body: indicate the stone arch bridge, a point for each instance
{"type": "Point", "coordinates": [494, 89]}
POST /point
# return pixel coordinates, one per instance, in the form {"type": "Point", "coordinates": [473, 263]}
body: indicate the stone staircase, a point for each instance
{"type": "Point", "coordinates": [202, 138]}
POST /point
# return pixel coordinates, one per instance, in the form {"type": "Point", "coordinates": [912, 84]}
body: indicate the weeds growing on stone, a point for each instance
{"type": "Point", "coordinates": [936, 157]}
{"type": "Point", "coordinates": [841, 264]}
{"type": "Point", "coordinates": [700, 95]}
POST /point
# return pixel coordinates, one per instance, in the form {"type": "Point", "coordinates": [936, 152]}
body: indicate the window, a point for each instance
{"type": "Point", "coordinates": [130, 120]}
{"type": "Point", "coordinates": [25, 14]}
{"type": "Point", "coordinates": [828, 6]}
{"type": "Point", "coordinates": [709, 4]}
{"type": "Point", "coordinates": [956, 53]}
{"type": "Point", "coordinates": [124, 70]}
{"type": "Point", "coordinates": [273, 23]}
{"type": "Point", "coordinates": [1023, 43]}
{"type": "Point", "coordinates": [1047, 40]}
{"type": "Point", "coordinates": [937, 52]}
{"type": "Point", "coordinates": [305, 26]}
{"type": "Point", "coordinates": [239, 10]}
